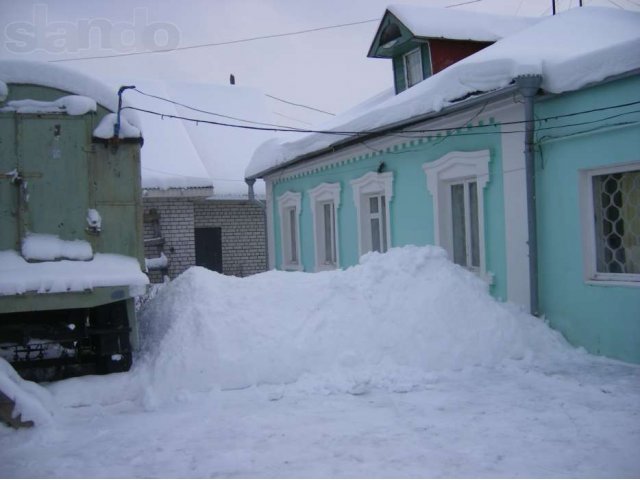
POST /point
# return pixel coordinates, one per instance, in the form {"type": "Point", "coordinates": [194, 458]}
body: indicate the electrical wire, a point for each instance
{"type": "Point", "coordinates": [395, 132]}
{"type": "Point", "coordinates": [298, 104]}
{"type": "Point", "coordinates": [242, 40]}
{"type": "Point", "coordinates": [209, 112]}
{"type": "Point", "coordinates": [274, 128]}
{"type": "Point", "coordinates": [291, 118]}
{"type": "Point", "coordinates": [218, 44]}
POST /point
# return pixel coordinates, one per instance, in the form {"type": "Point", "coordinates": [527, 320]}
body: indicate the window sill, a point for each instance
{"type": "Point", "coordinates": [291, 267]}
{"type": "Point", "coordinates": [488, 277]}
{"type": "Point", "coordinates": [596, 282]}
{"type": "Point", "coordinates": [326, 267]}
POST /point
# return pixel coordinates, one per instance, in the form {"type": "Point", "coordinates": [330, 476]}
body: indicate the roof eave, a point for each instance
{"type": "Point", "coordinates": [461, 105]}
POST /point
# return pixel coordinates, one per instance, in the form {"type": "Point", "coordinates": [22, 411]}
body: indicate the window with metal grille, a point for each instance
{"type": "Point", "coordinates": [616, 208]}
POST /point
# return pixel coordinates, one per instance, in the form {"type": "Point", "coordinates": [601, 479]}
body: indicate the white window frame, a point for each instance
{"type": "Point", "coordinates": [286, 202]}
{"type": "Point", "coordinates": [406, 68]}
{"type": "Point", "coordinates": [457, 167]}
{"type": "Point", "coordinates": [368, 185]}
{"type": "Point", "coordinates": [325, 193]}
{"type": "Point", "coordinates": [591, 274]}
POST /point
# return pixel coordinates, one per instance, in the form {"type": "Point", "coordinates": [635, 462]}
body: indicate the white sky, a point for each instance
{"type": "Point", "coordinates": [326, 69]}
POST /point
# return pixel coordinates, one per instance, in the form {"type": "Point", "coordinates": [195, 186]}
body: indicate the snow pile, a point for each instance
{"type": "Point", "coordinates": [62, 78]}
{"type": "Point", "coordinates": [71, 105]}
{"type": "Point", "coordinates": [105, 128]}
{"type": "Point", "coordinates": [32, 401]}
{"type": "Point", "coordinates": [570, 50]}
{"type": "Point", "coordinates": [157, 263]}
{"type": "Point", "coordinates": [458, 24]}
{"type": "Point", "coordinates": [94, 219]}
{"type": "Point", "coordinates": [18, 276]}
{"type": "Point", "coordinates": [386, 323]}
{"type": "Point", "coordinates": [43, 247]}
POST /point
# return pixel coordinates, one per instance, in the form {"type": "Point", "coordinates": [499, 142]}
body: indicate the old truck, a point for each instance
{"type": "Point", "coordinates": [71, 247]}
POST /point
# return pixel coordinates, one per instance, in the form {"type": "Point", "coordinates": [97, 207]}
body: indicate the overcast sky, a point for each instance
{"type": "Point", "coordinates": [327, 69]}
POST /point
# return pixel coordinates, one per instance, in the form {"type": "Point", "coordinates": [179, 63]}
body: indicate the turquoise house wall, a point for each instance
{"type": "Point", "coordinates": [604, 318]}
{"type": "Point", "coordinates": [411, 208]}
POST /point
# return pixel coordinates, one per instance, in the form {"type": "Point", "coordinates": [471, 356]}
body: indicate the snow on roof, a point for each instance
{"type": "Point", "coordinates": [570, 50]}
{"type": "Point", "coordinates": [184, 154]}
{"type": "Point", "coordinates": [454, 24]}
{"type": "Point", "coordinates": [18, 276]}
{"type": "Point", "coordinates": [70, 104]}
{"type": "Point", "coordinates": [63, 78]}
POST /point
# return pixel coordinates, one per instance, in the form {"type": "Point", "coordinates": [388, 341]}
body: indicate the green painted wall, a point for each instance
{"type": "Point", "coordinates": [605, 319]}
{"type": "Point", "coordinates": [66, 174]}
{"type": "Point", "coordinates": [411, 208]}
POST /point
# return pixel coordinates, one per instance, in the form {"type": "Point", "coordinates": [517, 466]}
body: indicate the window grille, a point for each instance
{"type": "Point", "coordinates": [616, 198]}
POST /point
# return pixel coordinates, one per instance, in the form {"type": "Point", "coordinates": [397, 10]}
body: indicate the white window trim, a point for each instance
{"type": "Point", "coordinates": [286, 201]}
{"type": "Point", "coordinates": [591, 274]}
{"type": "Point", "coordinates": [406, 70]}
{"type": "Point", "coordinates": [447, 169]}
{"type": "Point", "coordinates": [371, 183]}
{"type": "Point", "coordinates": [324, 193]}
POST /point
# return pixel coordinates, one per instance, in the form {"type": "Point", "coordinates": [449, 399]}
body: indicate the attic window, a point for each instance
{"type": "Point", "coordinates": [390, 35]}
{"type": "Point", "coordinates": [413, 67]}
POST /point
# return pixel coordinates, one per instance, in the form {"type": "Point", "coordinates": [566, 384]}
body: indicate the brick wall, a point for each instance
{"type": "Point", "coordinates": [243, 234]}
{"type": "Point", "coordinates": [242, 227]}
{"type": "Point", "coordinates": [176, 227]}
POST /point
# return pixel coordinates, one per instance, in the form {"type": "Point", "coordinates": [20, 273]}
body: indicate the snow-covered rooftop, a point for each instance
{"type": "Point", "coordinates": [18, 276]}
{"type": "Point", "coordinates": [183, 154]}
{"type": "Point", "coordinates": [455, 24]}
{"type": "Point", "coordinates": [62, 78]}
{"type": "Point", "coordinates": [570, 50]}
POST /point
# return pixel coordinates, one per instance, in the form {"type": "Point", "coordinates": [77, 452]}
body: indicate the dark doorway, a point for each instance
{"type": "Point", "coordinates": [209, 248]}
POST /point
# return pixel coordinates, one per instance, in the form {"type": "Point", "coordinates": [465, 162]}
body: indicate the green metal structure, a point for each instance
{"type": "Point", "coordinates": [52, 172]}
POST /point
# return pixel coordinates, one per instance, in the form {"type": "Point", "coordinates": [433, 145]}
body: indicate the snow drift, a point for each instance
{"type": "Point", "coordinates": [385, 323]}
{"type": "Point", "coordinates": [32, 402]}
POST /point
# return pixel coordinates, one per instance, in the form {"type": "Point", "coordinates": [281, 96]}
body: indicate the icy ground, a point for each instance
{"type": "Point", "coordinates": [401, 367]}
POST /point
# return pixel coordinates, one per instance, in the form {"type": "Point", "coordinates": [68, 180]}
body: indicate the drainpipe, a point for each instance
{"type": "Point", "coordinates": [529, 86]}
{"type": "Point", "coordinates": [252, 199]}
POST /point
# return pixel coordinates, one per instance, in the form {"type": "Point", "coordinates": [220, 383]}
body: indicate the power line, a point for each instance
{"type": "Point", "coordinates": [290, 118]}
{"type": "Point", "coordinates": [463, 3]}
{"type": "Point", "coordinates": [210, 113]}
{"type": "Point", "coordinates": [299, 104]}
{"type": "Point", "coordinates": [217, 44]}
{"type": "Point", "coordinates": [423, 131]}
{"type": "Point", "coordinates": [242, 40]}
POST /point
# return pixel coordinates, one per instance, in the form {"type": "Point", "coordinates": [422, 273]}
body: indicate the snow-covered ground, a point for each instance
{"type": "Point", "coordinates": [402, 366]}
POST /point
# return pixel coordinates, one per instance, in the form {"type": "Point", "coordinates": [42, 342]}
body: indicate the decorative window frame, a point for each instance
{"type": "Point", "coordinates": [406, 69]}
{"type": "Point", "coordinates": [587, 214]}
{"type": "Point", "coordinates": [286, 201]}
{"type": "Point", "coordinates": [320, 195]}
{"type": "Point", "coordinates": [371, 183]}
{"type": "Point", "coordinates": [446, 170]}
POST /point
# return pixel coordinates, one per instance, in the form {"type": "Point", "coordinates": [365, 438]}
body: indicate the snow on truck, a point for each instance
{"type": "Point", "coordinates": [71, 247]}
